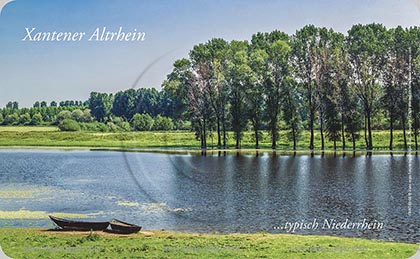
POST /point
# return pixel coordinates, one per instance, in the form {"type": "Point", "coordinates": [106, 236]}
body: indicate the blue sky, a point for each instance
{"type": "Point", "coordinates": [31, 71]}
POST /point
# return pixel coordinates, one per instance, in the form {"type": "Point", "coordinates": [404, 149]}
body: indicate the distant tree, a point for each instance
{"type": "Point", "coordinates": [124, 125]}
{"type": "Point", "coordinates": [53, 104]}
{"type": "Point", "coordinates": [15, 105]}
{"type": "Point", "coordinates": [24, 119]}
{"type": "Point", "coordinates": [63, 115]}
{"type": "Point", "coordinates": [166, 105]}
{"type": "Point", "coordinates": [11, 119]}
{"type": "Point", "coordinates": [147, 101]}
{"type": "Point", "coordinates": [43, 104]}
{"type": "Point", "coordinates": [142, 122]}
{"type": "Point", "coordinates": [68, 125]}
{"type": "Point", "coordinates": [124, 104]}
{"type": "Point", "coordinates": [87, 117]}
{"type": "Point", "coordinates": [1, 119]}
{"type": "Point", "coordinates": [100, 105]}
{"type": "Point", "coordinates": [36, 119]}
{"type": "Point", "coordinates": [77, 115]}
{"type": "Point", "coordinates": [37, 104]}
{"type": "Point", "coordinates": [163, 123]}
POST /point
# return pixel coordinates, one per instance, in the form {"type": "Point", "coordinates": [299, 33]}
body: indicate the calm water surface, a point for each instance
{"type": "Point", "coordinates": [214, 193]}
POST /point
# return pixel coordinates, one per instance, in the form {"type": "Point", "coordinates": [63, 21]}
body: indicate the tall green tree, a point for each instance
{"type": "Point", "coordinates": [279, 54]}
{"type": "Point", "coordinates": [176, 87]}
{"type": "Point", "coordinates": [255, 99]}
{"type": "Point", "coordinates": [147, 101]}
{"type": "Point", "coordinates": [124, 104]}
{"type": "Point", "coordinates": [238, 78]}
{"type": "Point", "coordinates": [348, 105]}
{"type": "Point", "coordinates": [217, 51]}
{"type": "Point", "coordinates": [330, 55]}
{"type": "Point", "coordinates": [322, 79]}
{"type": "Point", "coordinates": [291, 105]}
{"type": "Point", "coordinates": [396, 81]}
{"type": "Point", "coordinates": [304, 46]}
{"type": "Point", "coordinates": [414, 49]}
{"type": "Point", "coordinates": [266, 81]}
{"type": "Point", "coordinates": [367, 49]}
{"type": "Point", "coordinates": [198, 92]}
{"type": "Point", "coordinates": [100, 105]}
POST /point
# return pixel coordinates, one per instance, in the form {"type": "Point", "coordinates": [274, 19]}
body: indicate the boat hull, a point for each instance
{"type": "Point", "coordinates": [79, 225]}
{"type": "Point", "coordinates": [121, 227]}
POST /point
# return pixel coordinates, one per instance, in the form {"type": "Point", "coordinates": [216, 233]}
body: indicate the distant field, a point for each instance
{"type": "Point", "coordinates": [52, 137]}
{"type": "Point", "coordinates": [27, 128]}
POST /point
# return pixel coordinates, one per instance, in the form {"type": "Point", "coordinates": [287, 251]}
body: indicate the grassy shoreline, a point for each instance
{"type": "Point", "coordinates": [34, 243]}
{"type": "Point", "coordinates": [174, 141]}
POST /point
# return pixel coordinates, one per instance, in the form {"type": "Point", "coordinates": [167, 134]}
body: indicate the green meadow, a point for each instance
{"type": "Point", "coordinates": [26, 136]}
{"type": "Point", "coordinates": [35, 243]}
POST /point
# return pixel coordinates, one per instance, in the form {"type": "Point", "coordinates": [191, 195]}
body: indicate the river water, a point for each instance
{"type": "Point", "coordinates": [223, 194]}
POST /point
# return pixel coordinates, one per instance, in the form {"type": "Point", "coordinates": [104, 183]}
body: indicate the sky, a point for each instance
{"type": "Point", "coordinates": [37, 71]}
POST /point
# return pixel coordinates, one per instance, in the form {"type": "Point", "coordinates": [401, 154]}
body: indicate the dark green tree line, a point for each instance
{"type": "Point", "coordinates": [316, 79]}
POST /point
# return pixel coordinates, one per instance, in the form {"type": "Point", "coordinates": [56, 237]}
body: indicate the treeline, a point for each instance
{"type": "Point", "coordinates": [317, 79]}
{"type": "Point", "coordinates": [125, 104]}
{"type": "Point", "coordinates": [343, 86]}
{"type": "Point", "coordinates": [140, 110]}
{"type": "Point", "coordinates": [40, 115]}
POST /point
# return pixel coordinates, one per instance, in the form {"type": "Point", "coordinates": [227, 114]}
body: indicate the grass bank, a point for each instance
{"type": "Point", "coordinates": [35, 243]}
{"type": "Point", "coordinates": [52, 137]}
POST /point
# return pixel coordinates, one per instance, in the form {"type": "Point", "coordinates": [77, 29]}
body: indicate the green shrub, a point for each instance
{"type": "Point", "coordinates": [163, 123]}
{"type": "Point", "coordinates": [36, 119]}
{"type": "Point", "coordinates": [87, 116]}
{"type": "Point", "coordinates": [142, 122]}
{"type": "Point", "coordinates": [124, 126]}
{"type": "Point", "coordinates": [11, 119]}
{"type": "Point", "coordinates": [182, 125]}
{"type": "Point", "coordinates": [94, 126]}
{"type": "Point", "coordinates": [112, 127]}
{"type": "Point", "coordinates": [63, 115]}
{"type": "Point", "coordinates": [77, 115]}
{"type": "Point", "coordinates": [68, 125]}
{"type": "Point", "coordinates": [24, 119]}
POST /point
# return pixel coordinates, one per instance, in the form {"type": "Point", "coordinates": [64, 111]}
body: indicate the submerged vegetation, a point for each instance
{"type": "Point", "coordinates": [32, 243]}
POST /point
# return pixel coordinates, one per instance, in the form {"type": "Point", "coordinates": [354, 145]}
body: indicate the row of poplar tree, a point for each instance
{"type": "Point", "coordinates": [320, 78]}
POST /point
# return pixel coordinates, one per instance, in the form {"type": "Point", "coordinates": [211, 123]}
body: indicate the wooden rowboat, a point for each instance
{"type": "Point", "coordinates": [121, 227]}
{"type": "Point", "coordinates": [66, 224]}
